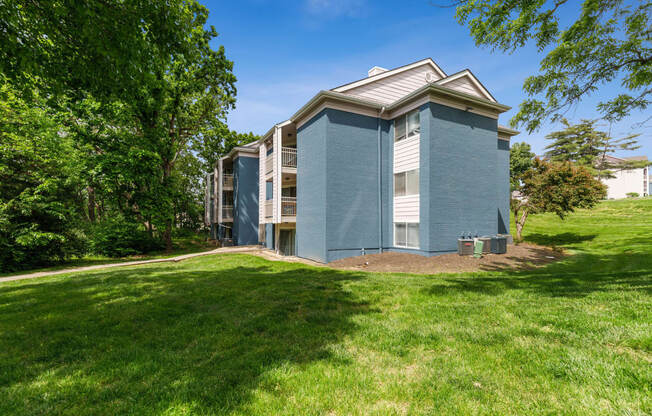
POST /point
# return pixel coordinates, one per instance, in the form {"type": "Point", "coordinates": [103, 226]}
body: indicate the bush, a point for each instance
{"type": "Point", "coordinates": [118, 237]}
{"type": "Point", "coordinates": [632, 194]}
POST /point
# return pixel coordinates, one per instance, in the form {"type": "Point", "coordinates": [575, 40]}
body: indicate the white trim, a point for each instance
{"type": "Point", "coordinates": [472, 78]}
{"type": "Point", "coordinates": [219, 173]}
{"type": "Point", "coordinates": [389, 73]}
{"type": "Point", "coordinates": [240, 154]}
{"type": "Point", "coordinates": [262, 184]}
{"type": "Point", "coordinates": [506, 131]}
{"type": "Point", "coordinates": [277, 178]}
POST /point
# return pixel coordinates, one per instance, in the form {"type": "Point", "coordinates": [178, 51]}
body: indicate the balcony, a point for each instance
{"type": "Point", "coordinates": [289, 206]}
{"type": "Point", "coordinates": [227, 213]}
{"type": "Point", "coordinates": [288, 157]}
{"type": "Point", "coordinates": [227, 180]}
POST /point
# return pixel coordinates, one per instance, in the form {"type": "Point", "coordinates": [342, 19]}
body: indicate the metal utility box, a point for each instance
{"type": "Point", "coordinates": [465, 246]}
{"type": "Point", "coordinates": [510, 239]}
{"type": "Point", "coordinates": [498, 245]}
{"type": "Point", "coordinates": [486, 247]}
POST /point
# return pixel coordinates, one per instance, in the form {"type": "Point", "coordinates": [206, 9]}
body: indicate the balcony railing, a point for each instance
{"type": "Point", "coordinates": [289, 157]}
{"type": "Point", "coordinates": [227, 211]}
{"type": "Point", "coordinates": [227, 180]}
{"type": "Point", "coordinates": [289, 206]}
{"type": "Point", "coordinates": [269, 208]}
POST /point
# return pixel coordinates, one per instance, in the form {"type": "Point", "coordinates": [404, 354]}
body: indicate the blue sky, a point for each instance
{"type": "Point", "coordinates": [284, 52]}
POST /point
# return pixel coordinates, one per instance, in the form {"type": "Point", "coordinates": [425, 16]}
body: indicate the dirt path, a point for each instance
{"type": "Point", "coordinates": [241, 249]}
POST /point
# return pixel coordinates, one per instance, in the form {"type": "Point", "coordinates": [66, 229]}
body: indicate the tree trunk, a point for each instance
{"type": "Point", "coordinates": [520, 223]}
{"type": "Point", "coordinates": [91, 204]}
{"type": "Point", "coordinates": [167, 237]}
{"type": "Point", "coordinates": [167, 234]}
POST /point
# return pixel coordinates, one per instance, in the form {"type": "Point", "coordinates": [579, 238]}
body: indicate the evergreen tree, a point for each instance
{"type": "Point", "coordinates": [584, 145]}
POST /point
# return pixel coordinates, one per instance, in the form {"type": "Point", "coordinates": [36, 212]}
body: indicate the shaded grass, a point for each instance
{"type": "Point", "coordinates": [186, 244]}
{"type": "Point", "coordinates": [240, 335]}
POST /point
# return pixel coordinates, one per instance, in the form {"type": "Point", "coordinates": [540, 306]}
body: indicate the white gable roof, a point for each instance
{"type": "Point", "coordinates": [465, 81]}
{"type": "Point", "coordinates": [388, 86]}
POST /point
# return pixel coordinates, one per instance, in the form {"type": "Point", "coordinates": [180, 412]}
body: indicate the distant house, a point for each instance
{"type": "Point", "coordinates": [402, 160]}
{"type": "Point", "coordinates": [627, 181]}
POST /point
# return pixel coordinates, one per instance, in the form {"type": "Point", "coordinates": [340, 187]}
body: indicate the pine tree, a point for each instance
{"type": "Point", "coordinates": [584, 145]}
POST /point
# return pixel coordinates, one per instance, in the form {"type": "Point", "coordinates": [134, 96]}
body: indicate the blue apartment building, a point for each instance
{"type": "Point", "coordinates": [402, 160]}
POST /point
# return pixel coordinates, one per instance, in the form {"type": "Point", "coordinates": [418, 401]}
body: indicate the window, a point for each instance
{"type": "Point", "coordinates": [412, 182]}
{"type": "Point", "coordinates": [409, 123]}
{"type": "Point", "coordinates": [406, 234]}
{"type": "Point", "coordinates": [399, 129]}
{"type": "Point", "coordinates": [406, 183]}
{"type": "Point", "coordinates": [414, 124]}
{"type": "Point", "coordinates": [399, 184]}
{"type": "Point", "coordinates": [400, 235]}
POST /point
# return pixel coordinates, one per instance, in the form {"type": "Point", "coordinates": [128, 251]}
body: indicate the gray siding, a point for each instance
{"type": "Point", "coordinates": [245, 201]}
{"type": "Point", "coordinates": [351, 184]}
{"type": "Point", "coordinates": [387, 151]}
{"type": "Point", "coordinates": [502, 182]}
{"type": "Point", "coordinates": [269, 236]}
{"type": "Point", "coordinates": [460, 193]}
{"type": "Point", "coordinates": [311, 189]}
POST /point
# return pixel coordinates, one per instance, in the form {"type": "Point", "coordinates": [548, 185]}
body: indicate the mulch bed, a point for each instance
{"type": "Point", "coordinates": [522, 256]}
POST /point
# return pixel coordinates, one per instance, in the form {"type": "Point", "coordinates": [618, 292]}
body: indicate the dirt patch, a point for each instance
{"type": "Point", "coordinates": [522, 256]}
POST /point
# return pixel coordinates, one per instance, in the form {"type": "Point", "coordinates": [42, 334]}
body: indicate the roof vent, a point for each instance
{"type": "Point", "coordinates": [376, 70]}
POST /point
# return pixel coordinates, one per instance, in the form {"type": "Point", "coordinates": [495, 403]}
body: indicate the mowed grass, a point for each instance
{"type": "Point", "coordinates": [240, 335]}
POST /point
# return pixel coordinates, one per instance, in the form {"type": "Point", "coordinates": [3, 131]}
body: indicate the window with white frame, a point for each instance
{"type": "Point", "coordinates": [406, 183]}
{"type": "Point", "coordinates": [406, 234]}
{"type": "Point", "coordinates": [407, 126]}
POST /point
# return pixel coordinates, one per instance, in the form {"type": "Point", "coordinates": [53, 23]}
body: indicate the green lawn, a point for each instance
{"type": "Point", "coordinates": [182, 245]}
{"type": "Point", "coordinates": [241, 335]}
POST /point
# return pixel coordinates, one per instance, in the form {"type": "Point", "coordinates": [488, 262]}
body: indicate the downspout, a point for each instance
{"type": "Point", "coordinates": [380, 199]}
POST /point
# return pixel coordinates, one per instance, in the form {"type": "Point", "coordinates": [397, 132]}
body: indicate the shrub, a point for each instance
{"type": "Point", "coordinates": [632, 195]}
{"type": "Point", "coordinates": [118, 237]}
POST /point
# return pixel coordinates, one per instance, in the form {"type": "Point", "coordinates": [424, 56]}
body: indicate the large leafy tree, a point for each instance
{"type": "Point", "coordinates": [194, 94]}
{"type": "Point", "coordinates": [41, 193]}
{"type": "Point", "coordinates": [137, 144]}
{"type": "Point", "coordinates": [608, 41]}
{"type": "Point", "coordinates": [585, 145]}
{"type": "Point", "coordinates": [556, 187]}
{"type": "Point", "coordinates": [106, 48]}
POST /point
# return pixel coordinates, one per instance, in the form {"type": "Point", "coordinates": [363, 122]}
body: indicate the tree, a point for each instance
{"type": "Point", "coordinates": [609, 41]}
{"type": "Point", "coordinates": [197, 91]}
{"type": "Point", "coordinates": [557, 187]}
{"type": "Point", "coordinates": [41, 202]}
{"type": "Point", "coordinates": [585, 145]}
{"type": "Point", "coordinates": [109, 49]}
{"type": "Point", "coordinates": [137, 143]}
{"type": "Point", "coordinates": [520, 161]}
{"type": "Point", "coordinates": [218, 142]}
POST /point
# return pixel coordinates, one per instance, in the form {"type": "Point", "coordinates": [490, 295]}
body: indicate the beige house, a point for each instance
{"type": "Point", "coordinates": [627, 180]}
